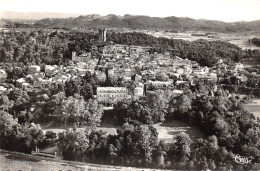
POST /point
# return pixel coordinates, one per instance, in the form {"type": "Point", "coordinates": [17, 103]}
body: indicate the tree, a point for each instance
{"type": "Point", "coordinates": [7, 122]}
{"type": "Point", "coordinates": [160, 154]}
{"type": "Point", "coordinates": [158, 103]}
{"type": "Point", "coordinates": [33, 136]}
{"type": "Point", "coordinates": [73, 143]}
{"type": "Point", "coordinates": [87, 91]}
{"type": "Point", "coordinates": [181, 147]}
{"type": "Point", "coordinates": [138, 143]}
{"type": "Point", "coordinates": [94, 113]}
{"type": "Point", "coordinates": [81, 112]}
{"type": "Point", "coordinates": [184, 104]}
{"type": "Point", "coordinates": [5, 103]}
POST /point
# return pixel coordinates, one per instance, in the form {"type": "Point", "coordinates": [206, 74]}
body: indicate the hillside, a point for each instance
{"type": "Point", "coordinates": [146, 22]}
{"type": "Point", "coordinates": [54, 20]}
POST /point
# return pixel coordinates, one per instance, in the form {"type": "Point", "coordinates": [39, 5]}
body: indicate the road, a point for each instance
{"type": "Point", "coordinates": [14, 161]}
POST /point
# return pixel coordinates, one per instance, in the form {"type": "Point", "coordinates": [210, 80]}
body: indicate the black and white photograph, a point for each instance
{"type": "Point", "coordinates": [129, 85]}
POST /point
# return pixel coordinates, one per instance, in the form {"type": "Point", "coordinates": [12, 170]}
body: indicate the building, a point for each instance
{"type": "Point", "coordinates": [3, 74]}
{"type": "Point", "coordinates": [102, 34]}
{"type": "Point", "coordinates": [20, 81]}
{"type": "Point", "coordinates": [138, 92]}
{"type": "Point", "coordinates": [177, 61]}
{"type": "Point", "coordinates": [33, 69]}
{"type": "Point", "coordinates": [82, 72]}
{"type": "Point", "coordinates": [160, 84]}
{"type": "Point", "coordinates": [49, 69]}
{"type": "Point", "coordinates": [111, 95]}
{"type": "Point", "coordinates": [81, 58]}
{"type": "Point", "coordinates": [2, 89]}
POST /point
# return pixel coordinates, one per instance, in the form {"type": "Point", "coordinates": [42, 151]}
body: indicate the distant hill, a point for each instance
{"type": "Point", "coordinates": [142, 22]}
{"type": "Point", "coordinates": [146, 22]}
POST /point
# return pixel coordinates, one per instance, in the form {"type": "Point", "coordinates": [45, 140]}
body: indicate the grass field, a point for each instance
{"type": "Point", "coordinates": [166, 131]}
{"type": "Point", "coordinates": [254, 107]}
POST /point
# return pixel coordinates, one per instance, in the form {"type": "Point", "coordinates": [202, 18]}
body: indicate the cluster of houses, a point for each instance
{"type": "Point", "coordinates": [149, 71]}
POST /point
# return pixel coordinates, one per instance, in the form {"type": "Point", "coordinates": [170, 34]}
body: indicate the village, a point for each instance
{"type": "Point", "coordinates": [128, 63]}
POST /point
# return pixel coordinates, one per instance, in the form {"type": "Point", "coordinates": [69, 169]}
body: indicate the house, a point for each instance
{"type": "Point", "coordinates": [111, 72]}
{"type": "Point", "coordinates": [126, 79]}
{"type": "Point", "coordinates": [242, 78]}
{"type": "Point", "coordinates": [81, 58]}
{"type": "Point", "coordinates": [138, 78]}
{"type": "Point", "coordinates": [82, 65]}
{"type": "Point", "coordinates": [60, 78]}
{"type": "Point", "coordinates": [2, 89]}
{"type": "Point", "coordinates": [138, 92]}
{"type": "Point", "coordinates": [26, 85]}
{"type": "Point", "coordinates": [177, 92]}
{"type": "Point", "coordinates": [3, 74]}
{"type": "Point", "coordinates": [180, 84]}
{"type": "Point", "coordinates": [204, 70]}
{"type": "Point", "coordinates": [180, 71]}
{"type": "Point", "coordinates": [159, 84]}
{"type": "Point", "coordinates": [177, 61]}
{"type": "Point", "coordinates": [82, 72]}
{"type": "Point", "coordinates": [20, 81]}
{"type": "Point", "coordinates": [239, 67]}
{"type": "Point", "coordinates": [33, 69]}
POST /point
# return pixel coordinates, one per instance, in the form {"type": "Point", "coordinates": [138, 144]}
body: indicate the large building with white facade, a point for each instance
{"type": "Point", "coordinates": [111, 95]}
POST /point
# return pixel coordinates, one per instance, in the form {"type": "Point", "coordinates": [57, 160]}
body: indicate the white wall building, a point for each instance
{"type": "Point", "coordinates": [111, 95]}
{"type": "Point", "coordinates": [33, 69]}
{"type": "Point", "coordinates": [82, 58]}
{"type": "Point", "coordinates": [3, 74]}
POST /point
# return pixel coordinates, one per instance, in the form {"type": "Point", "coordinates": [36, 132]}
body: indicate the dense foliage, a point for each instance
{"type": "Point", "coordinates": [17, 137]}
{"type": "Point", "coordinates": [56, 48]}
{"type": "Point", "coordinates": [149, 110]}
{"type": "Point", "coordinates": [42, 48]}
{"type": "Point", "coordinates": [203, 51]}
{"type": "Point", "coordinates": [230, 130]}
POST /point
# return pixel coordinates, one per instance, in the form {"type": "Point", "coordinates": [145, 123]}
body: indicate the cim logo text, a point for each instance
{"type": "Point", "coordinates": [242, 159]}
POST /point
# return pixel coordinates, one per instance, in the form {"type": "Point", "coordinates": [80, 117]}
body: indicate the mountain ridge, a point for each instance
{"type": "Point", "coordinates": [147, 22]}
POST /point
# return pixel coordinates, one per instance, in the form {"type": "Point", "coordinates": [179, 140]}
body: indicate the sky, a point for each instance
{"type": "Point", "coordinates": [224, 10]}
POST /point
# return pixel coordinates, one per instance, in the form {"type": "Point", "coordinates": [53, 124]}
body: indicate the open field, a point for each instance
{"type": "Point", "coordinates": [166, 131]}
{"type": "Point", "coordinates": [254, 107]}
